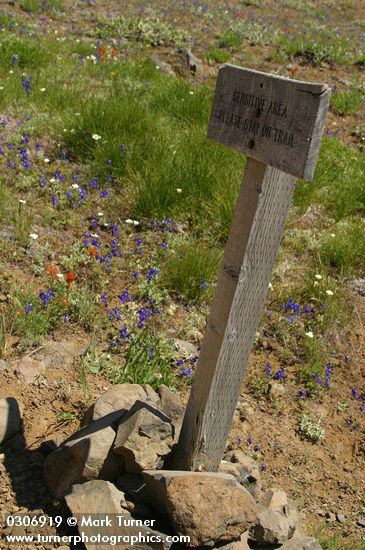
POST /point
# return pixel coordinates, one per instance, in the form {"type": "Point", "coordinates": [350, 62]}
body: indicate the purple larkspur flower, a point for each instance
{"type": "Point", "coordinates": [268, 370]}
{"type": "Point", "coordinates": [125, 297]}
{"type": "Point", "coordinates": [28, 308]}
{"type": "Point", "coordinates": [152, 273]}
{"type": "Point", "coordinates": [280, 374]}
{"type": "Point", "coordinates": [124, 333]}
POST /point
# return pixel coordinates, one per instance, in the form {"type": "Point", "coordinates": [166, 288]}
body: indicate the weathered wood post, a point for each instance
{"type": "Point", "coordinates": [278, 124]}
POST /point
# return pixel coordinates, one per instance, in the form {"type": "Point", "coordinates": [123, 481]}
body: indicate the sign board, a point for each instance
{"type": "Point", "coordinates": [272, 119]}
{"type": "Point", "coordinates": [278, 124]}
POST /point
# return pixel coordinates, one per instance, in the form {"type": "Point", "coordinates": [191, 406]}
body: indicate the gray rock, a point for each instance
{"type": "Point", "coordinates": [245, 470]}
{"type": "Point", "coordinates": [29, 370]}
{"type": "Point", "coordinates": [193, 63]}
{"type": "Point", "coordinates": [118, 399]}
{"type": "Point", "coordinates": [239, 544]}
{"type": "Point", "coordinates": [359, 286]}
{"type": "Point", "coordinates": [277, 389]}
{"type": "Point", "coordinates": [162, 65]}
{"type": "Point", "coordinates": [3, 365]}
{"type": "Point", "coordinates": [274, 526]}
{"type": "Point", "coordinates": [62, 353]}
{"type": "Point", "coordinates": [361, 522]}
{"type": "Point", "coordinates": [85, 456]}
{"type": "Point", "coordinates": [301, 543]}
{"type": "Point", "coordinates": [187, 348]}
{"type": "Point", "coordinates": [208, 507]}
{"type": "Point", "coordinates": [144, 438]}
{"type": "Point", "coordinates": [101, 499]}
{"type": "Point", "coordinates": [171, 405]}
{"type": "Point", "coordinates": [10, 418]}
{"type": "Point", "coordinates": [341, 518]}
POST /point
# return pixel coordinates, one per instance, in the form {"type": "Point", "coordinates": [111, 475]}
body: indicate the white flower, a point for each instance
{"type": "Point", "coordinates": [77, 114]}
{"type": "Point", "coordinates": [96, 137]}
{"type": "Point", "coordinates": [178, 190]}
{"type": "Point", "coordinates": [43, 89]}
{"type": "Point", "coordinates": [59, 276]}
{"type": "Point", "coordinates": [318, 276]}
{"type": "Point", "coordinates": [329, 292]}
{"type": "Point", "coordinates": [11, 72]}
{"type": "Point", "coordinates": [100, 214]}
{"type": "Point", "coordinates": [135, 222]}
{"type": "Point", "coordinates": [1, 87]}
{"type": "Point", "coordinates": [22, 201]}
{"type": "Point", "coordinates": [46, 160]}
{"type": "Point", "coordinates": [33, 236]}
{"type": "Point", "coordinates": [333, 235]}
{"type": "Point", "coordinates": [309, 334]}
{"type": "Point", "coordinates": [191, 93]}
{"type": "Point", "coordinates": [52, 180]}
{"type": "Point", "coordinates": [270, 286]}
{"type": "Point", "coordinates": [74, 186]}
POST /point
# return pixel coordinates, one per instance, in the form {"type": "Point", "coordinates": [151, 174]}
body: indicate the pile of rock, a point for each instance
{"type": "Point", "coordinates": [117, 465]}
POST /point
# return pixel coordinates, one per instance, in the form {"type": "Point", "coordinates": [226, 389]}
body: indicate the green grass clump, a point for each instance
{"type": "Point", "coordinates": [347, 103]}
{"type": "Point", "coordinates": [152, 31]}
{"type": "Point", "coordinates": [190, 270]}
{"type": "Point", "coordinates": [253, 32]}
{"type": "Point", "coordinates": [148, 360]}
{"type": "Point", "coordinates": [345, 251]}
{"type": "Point", "coordinates": [338, 182]}
{"type": "Point", "coordinates": [36, 6]}
{"type": "Point", "coordinates": [23, 53]}
{"type": "Point", "coordinates": [216, 55]}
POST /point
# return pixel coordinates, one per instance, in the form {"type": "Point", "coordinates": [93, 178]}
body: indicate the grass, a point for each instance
{"type": "Point", "coordinates": [347, 102]}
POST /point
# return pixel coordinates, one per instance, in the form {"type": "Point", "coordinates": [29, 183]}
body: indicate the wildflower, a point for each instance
{"type": "Point", "coordinates": [318, 276]}
{"type": "Point", "coordinates": [143, 316]}
{"type": "Point", "coordinates": [263, 467]}
{"type": "Point", "coordinates": [329, 292]}
{"type": "Point", "coordinates": [104, 194]}
{"type": "Point", "coordinates": [138, 241]}
{"type": "Point", "coordinates": [70, 277]}
{"type": "Point", "coordinates": [125, 297]}
{"type": "Point", "coordinates": [43, 89]}
{"type": "Point", "coordinates": [28, 308]}
{"type": "Point", "coordinates": [328, 375]}
{"type": "Point", "coordinates": [280, 374]}
{"type": "Point", "coordinates": [203, 284]}
{"type": "Point", "coordinates": [355, 393]}
{"type": "Point", "coordinates": [45, 297]}
{"type": "Point", "coordinates": [178, 190]}
{"type": "Point", "coordinates": [180, 362]}
{"type": "Point", "coordinates": [152, 273]}
{"type": "Point", "coordinates": [135, 274]}
{"type": "Point", "coordinates": [187, 372]}
{"type": "Point", "coordinates": [65, 319]}
{"type": "Point", "coordinates": [55, 200]}
{"type": "Point", "coordinates": [104, 299]}
{"type": "Point", "coordinates": [317, 379]}
{"type": "Point", "coordinates": [92, 251]}
{"type": "Point", "coordinates": [26, 82]}
{"type": "Point", "coordinates": [47, 161]}
{"type": "Point", "coordinates": [307, 310]}
{"type": "Point", "coordinates": [309, 334]}
{"type": "Point", "coordinates": [33, 236]}
{"type": "Point", "coordinates": [303, 394]}
{"type": "Point", "coordinates": [53, 271]}
{"type": "Point", "coordinates": [268, 370]}
{"type": "Point", "coordinates": [96, 137]}
{"type": "Point", "coordinates": [291, 305]}
{"type": "Point", "coordinates": [238, 441]}
{"type": "Point", "coordinates": [346, 359]}
{"type": "Point", "coordinates": [22, 201]}
{"type": "Point", "coordinates": [124, 333]}
{"type": "Point", "coordinates": [164, 245]}
{"type": "Point", "coordinates": [151, 352]}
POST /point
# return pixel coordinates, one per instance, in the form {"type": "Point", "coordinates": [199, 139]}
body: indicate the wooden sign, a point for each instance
{"type": "Point", "coordinates": [272, 119]}
{"type": "Point", "coordinates": [278, 123]}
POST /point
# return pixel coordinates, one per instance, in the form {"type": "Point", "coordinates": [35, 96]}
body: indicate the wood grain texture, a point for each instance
{"type": "Point", "coordinates": [275, 120]}
{"type": "Point", "coordinates": [257, 226]}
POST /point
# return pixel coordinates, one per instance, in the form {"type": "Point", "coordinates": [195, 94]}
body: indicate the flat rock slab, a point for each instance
{"type": "Point", "coordinates": [99, 500]}
{"type": "Point", "coordinates": [274, 526]}
{"type": "Point", "coordinates": [144, 438]}
{"type": "Point", "coordinates": [245, 470]}
{"type": "Point", "coordinates": [85, 456]}
{"type": "Point", "coordinates": [118, 399]}
{"type": "Point", "coordinates": [29, 370]}
{"type": "Point", "coordinates": [207, 507]}
{"type": "Point", "coordinates": [63, 352]}
{"type": "Point", "coordinates": [10, 418]}
{"type": "Point", "coordinates": [301, 543]}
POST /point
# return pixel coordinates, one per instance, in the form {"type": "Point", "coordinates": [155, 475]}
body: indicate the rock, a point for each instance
{"type": "Point", "coordinates": [101, 499]}
{"type": "Point", "coordinates": [275, 499]}
{"type": "Point", "coordinates": [162, 65]}
{"type": "Point", "coordinates": [62, 353]}
{"type": "Point", "coordinates": [171, 405]}
{"type": "Point", "coordinates": [85, 456]}
{"type": "Point", "coordinates": [207, 507]}
{"type": "Point", "coordinates": [331, 516]}
{"type": "Point", "coordinates": [29, 370]}
{"type": "Point", "coordinates": [359, 286]}
{"type": "Point", "coordinates": [240, 544]}
{"type": "Point", "coordinates": [193, 63]}
{"type": "Point", "coordinates": [187, 348]}
{"type": "Point", "coordinates": [361, 522]}
{"type": "Point", "coordinates": [301, 543]}
{"type": "Point", "coordinates": [10, 418]}
{"type": "Point", "coordinates": [341, 518]}
{"type": "Point", "coordinates": [144, 438]}
{"type": "Point", "coordinates": [118, 399]}
{"type": "Point", "coordinates": [245, 470]}
{"type": "Point", "coordinates": [135, 486]}
{"type": "Point", "coordinates": [3, 365]}
{"type": "Point", "coordinates": [277, 389]}
{"type": "Point", "coordinates": [274, 526]}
